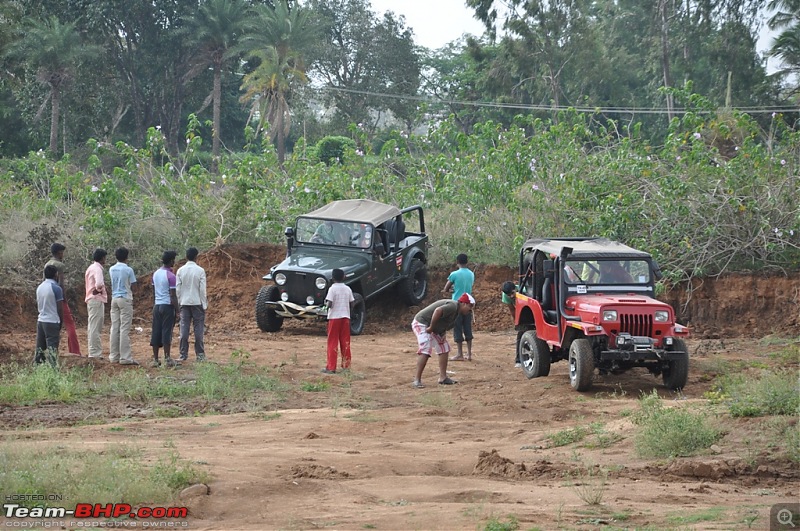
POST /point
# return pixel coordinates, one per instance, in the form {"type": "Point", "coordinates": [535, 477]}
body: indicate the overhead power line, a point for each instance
{"type": "Point", "coordinates": [535, 107]}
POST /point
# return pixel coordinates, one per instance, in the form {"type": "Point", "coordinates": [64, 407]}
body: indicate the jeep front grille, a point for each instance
{"type": "Point", "coordinates": [300, 286]}
{"type": "Point", "coordinates": [636, 324]}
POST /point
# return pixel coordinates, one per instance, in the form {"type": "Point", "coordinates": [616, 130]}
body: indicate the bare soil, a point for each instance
{"type": "Point", "coordinates": [373, 453]}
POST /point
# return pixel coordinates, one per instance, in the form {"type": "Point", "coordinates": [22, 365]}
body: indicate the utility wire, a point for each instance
{"type": "Point", "coordinates": [535, 107]}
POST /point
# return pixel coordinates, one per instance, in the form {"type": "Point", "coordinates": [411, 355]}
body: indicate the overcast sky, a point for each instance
{"type": "Point", "coordinates": [435, 22]}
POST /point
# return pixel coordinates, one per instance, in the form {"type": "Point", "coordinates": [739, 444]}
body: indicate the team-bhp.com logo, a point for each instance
{"type": "Point", "coordinates": [97, 510]}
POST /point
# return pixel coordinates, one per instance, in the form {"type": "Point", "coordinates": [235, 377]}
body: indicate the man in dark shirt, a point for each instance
{"type": "Point", "coordinates": [430, 326]}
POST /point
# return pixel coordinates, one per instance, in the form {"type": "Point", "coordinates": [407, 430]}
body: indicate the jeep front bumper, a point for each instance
{"type": "Point", "coordinates": [641, 355]}
{"type": "Point", "coordinates": [297, 311]}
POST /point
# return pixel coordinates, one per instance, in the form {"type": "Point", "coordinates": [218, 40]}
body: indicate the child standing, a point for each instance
{"type": "Point", "coordinates": [461, 281]}
{"type": "Point", "coordinates": [340, 301]}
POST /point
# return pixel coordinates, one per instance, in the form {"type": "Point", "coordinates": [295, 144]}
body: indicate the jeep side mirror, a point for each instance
{"type": "Point", "coordinates": [289, 233]}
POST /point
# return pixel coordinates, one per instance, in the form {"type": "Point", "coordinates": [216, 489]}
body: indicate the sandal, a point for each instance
{"type": "Point", "coordinates": [448, 381]}
{"type": "Point", "coordinates": [417, 385]}
{"type": "Point", "coordinates": [458, 358]}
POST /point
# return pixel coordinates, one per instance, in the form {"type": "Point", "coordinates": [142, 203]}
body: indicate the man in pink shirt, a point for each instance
{"type": "Point", "coordinates": [96, 298]}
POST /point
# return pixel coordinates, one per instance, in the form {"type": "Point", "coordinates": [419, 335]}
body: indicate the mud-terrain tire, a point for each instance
{"type": "Point", "coordinates": [677, 374]}
{"type": "Point", "coordinates": [534, 355]}
{"type": "Point", "coordinates": [414, 287]}
{"type": "Point", "coordinates": [358, 315]}
{"type": "Point", "coordinates": [581, 364]}
{"type": "Point", "coordinates": [266, 318]}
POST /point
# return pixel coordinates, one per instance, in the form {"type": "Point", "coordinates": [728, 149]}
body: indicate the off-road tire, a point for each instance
{"type": "Point", "coordinates": [581, 364]}
{"type": "Point", "coordinates": [266, 318]}
{"type": "Point", "coordinates": [534, 355]}
{"type": "Point", "coordinates": [676, 375]}
{"type": "Point", "coordinates": [414, 287]}
{"type": "Point", "coordinates": [358, 315]}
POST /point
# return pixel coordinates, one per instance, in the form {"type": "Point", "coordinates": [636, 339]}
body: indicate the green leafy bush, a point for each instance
{"type": "Point", "coordinates": [771, 393]}
{"type": "Point", "coordinates": [671, 431]}
{"type": "Point", "coordinates": [331, 149]}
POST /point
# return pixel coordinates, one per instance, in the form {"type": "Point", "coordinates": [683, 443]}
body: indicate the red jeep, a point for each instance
{"type": "Point", "coordinates": [592, 301]}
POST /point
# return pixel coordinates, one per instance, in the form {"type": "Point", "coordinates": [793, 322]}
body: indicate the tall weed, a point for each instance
{"type": "Point", "coordinates": [670, 431]}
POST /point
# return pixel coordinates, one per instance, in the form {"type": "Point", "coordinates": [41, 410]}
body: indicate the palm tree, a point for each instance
{"type": "Point", "coordinates": [217, 28]}
{"type": "Point", "coordinates": [277, 46]}
{"type": "Point", "coordinates": [786, 45]}
{"type": "Point", "coordinates": [56, 52]}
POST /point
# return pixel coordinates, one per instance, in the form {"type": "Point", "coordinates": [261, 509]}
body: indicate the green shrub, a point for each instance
{"type": "Point", "coordinates": [772, 393]}
{"type": "Point", "coordinates": [670, 431]}
{"type": "Point", "coordinates": [331, 149]}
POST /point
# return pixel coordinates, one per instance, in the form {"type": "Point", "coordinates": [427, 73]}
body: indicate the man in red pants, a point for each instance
{"type": "Point", "coordinates": [57, 261]}
{"type": "Point", "coordinates": [340, 301]}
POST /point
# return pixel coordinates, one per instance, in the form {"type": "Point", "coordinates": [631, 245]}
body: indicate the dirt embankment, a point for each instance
{"type": "Point", "coordinates": [734, 305]}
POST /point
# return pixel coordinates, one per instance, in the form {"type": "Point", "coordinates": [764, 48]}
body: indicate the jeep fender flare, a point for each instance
{"type": "Point", "coordinates": [415, 252]}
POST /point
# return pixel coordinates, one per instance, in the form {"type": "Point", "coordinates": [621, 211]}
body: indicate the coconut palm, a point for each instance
{"type": "Point", "coordinates": [216, 29]}
{"type": "Point", "coordinates": [55, 51]}
{"type": "Point", "coordinates": [786, 46]}
{"type": "Point", "coordinates": [277, 47]}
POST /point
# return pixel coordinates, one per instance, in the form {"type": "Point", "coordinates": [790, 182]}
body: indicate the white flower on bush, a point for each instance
{"type": "Point", "coordinates": [783, 162]}
{"type": "Point", "coordinates": [490, 177]}
{"type": "Point", "coordinates": [698, 136]}
{"type": "Point", "coordinates": [212, 183]}
{"type": "Point", "coordinates": [307, 190]}
{"type": "Point", "coordinates": [478, 228]}
{"type": "Point", "coordinates": [163, 182]}
{"type": "Point", "coordinates": [678, 157]}
{"type": "Point", "coordinates": [95, 188]}
{"type": "Point", "coordinates": [534, 187]}
{"type": "Point", "coordinates": [158, 128]}
{"type": "Point", "coordinates": [359, 153]}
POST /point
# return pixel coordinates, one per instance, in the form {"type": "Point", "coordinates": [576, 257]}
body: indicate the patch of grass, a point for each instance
{"type": "Point", "coordinates": [116, 428]}
{"type": "Point", "coordinates": [787, 355]}
{"type": "Point", "coordinates": [496, 524]}
{"type": "Point", "coordinates": [27, 384]}
{"type": "Point", "coordinates": [117, 473]}
{"type": "Point", "coordinates": [621, 517]}
{"type": "Point", "coordinates": [441, 400]}
{"type": "Point", "coordinates": [568, 436]}
{"type": "Point", "coordinates": [364, 416]}
{"type": "Point", "coordinates": [315, 387]}
{"type": "Point", "coordinates": [671, 432]}
{"type": "Point", "coordinates": [710, 514]}
{"type": "Point", "coordinates": [591, 484]}
{"type": "Point", "coordinates": [772, 393]}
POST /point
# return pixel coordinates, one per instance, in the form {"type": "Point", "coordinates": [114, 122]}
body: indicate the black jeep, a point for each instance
{"type": "Point", "coordinates": [366, 239]}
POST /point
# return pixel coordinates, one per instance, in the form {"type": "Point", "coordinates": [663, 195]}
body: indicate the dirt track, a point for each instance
{"type": "Point", "coordinates": [372, 452]}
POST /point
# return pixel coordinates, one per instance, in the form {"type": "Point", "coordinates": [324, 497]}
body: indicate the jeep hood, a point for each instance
{"type": "Point", "coordinates": [593, 303]}
{"type": "Point", "coordinates": [322, 262]}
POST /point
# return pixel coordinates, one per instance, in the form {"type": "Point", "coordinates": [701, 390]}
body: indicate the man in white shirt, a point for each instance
{"type": "Point", "coordinates": [190, 287]}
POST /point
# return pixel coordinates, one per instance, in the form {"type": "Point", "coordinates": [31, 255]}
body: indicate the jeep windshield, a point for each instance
{"type": "Point", "coordinates": [331, 232]}
{"type": "Point", "coordinates": [605, 272]}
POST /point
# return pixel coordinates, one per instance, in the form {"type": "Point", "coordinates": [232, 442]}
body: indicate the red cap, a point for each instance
{"type": "Point", "coordinates": [467, 298]}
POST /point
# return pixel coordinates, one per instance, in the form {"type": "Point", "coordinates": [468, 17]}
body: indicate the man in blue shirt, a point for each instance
{"type": "Point", "coordinates": [122, 276]}
{"type": "Point", "coordinates": [461, 281]}
{"type": "Point", "coordinates": [50, 301]}
{"type": "Point", "coordinates": [165, 310]}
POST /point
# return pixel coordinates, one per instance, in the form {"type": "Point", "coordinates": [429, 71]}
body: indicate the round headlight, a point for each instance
{"type": "Point", "coordinates": [309, 300]}
{"type": "Point", "coordinates": [661, 316]}
{"type": "Point", "coordinates": [284, 296]}
{"type": "Point", "coordinates": [280, 279]}
{"type": "Point", "coordinates": [610, 315]}
{"type": "Point", "coordinates": [320, 283]}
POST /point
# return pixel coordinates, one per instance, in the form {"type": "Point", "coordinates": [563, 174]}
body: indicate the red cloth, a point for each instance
{"type": "Point", "coordinates": [338, 335]}
{"type": "Point", "coordinates": [73, 347]}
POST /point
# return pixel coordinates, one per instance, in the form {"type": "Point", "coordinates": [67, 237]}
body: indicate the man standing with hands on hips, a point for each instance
{"type": "Point", "coordinates": [190, 287]}
{"type": "Point", "coordinates": [96, 298]}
